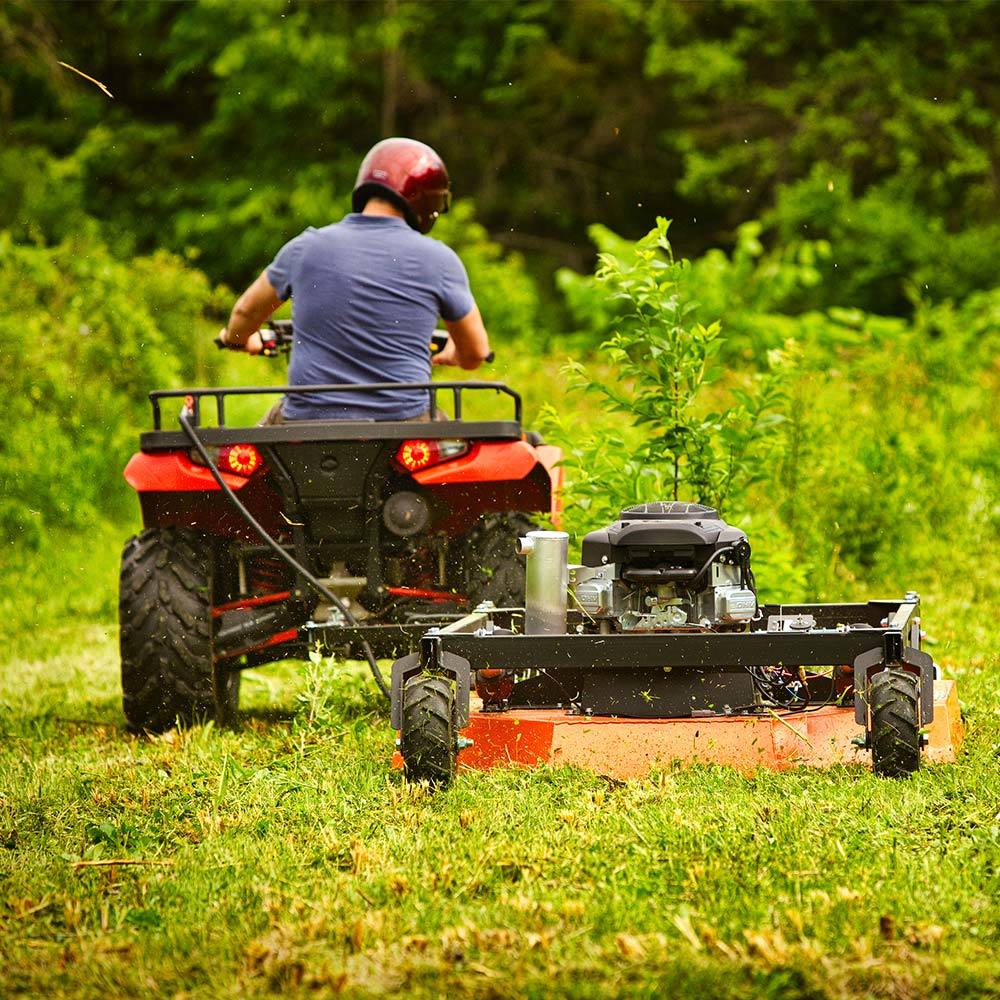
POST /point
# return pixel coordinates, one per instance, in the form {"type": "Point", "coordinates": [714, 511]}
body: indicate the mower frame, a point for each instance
{"type": "Point", "coordinates": [861, 639]}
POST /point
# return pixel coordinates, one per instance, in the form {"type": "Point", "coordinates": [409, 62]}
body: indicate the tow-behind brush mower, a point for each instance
{"type": "Point", "coordinates": [656, 650]}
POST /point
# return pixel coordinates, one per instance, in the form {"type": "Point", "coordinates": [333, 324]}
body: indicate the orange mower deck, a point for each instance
{"type": "Point", "coordinates": [630, 748]}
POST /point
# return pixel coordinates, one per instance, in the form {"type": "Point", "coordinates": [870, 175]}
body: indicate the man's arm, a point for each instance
{"type": "Point", "coordinates": [469, 344]}
{"type": "Point", "coordinates": [253, 307]}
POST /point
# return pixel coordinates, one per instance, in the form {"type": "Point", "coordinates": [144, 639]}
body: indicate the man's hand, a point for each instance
{"type": "Point", "coordinates": [447, 355]}
{"type": "Point", "coordinates": [254, 344]}
{"type": "Point", "coordinates": [253, 307]}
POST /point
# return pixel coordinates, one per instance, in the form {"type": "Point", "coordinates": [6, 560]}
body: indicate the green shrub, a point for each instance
{"type": "Point", "coordinates": [665, 379]}
{"type": "Point", "coordinates": [85, 339]}
{"type": "Point", "coordinates": [884, 463]}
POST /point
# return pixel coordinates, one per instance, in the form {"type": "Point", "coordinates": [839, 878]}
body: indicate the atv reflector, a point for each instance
{"type": "Point", "coordinates": [419, 454]}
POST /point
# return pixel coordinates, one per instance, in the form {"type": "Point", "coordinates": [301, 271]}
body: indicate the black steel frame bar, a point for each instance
{"type": "Point", "coordinates": [709, 652]}
{"type": "Point", "coordinates": [300, 431]}
{"type": "Point", "coordinates": [720, 651]}
{"type": "Point", "coordinates": [896, 613]}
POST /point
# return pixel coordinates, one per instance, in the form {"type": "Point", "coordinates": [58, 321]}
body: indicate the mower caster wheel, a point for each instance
{"type": "Point", "coordinates": [428, 741]}
{"type": "Point", "coordinates": [894, 700]}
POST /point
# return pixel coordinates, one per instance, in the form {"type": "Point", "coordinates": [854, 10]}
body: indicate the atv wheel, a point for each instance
{"type": "Point", "coordinates": [894, 697]}
{"type": "Point", "coordinates": [490, 567]}
{"type": "Point", "coordinates": [428, 738]}
{"type": "Point", "coordinates": [165, 613]}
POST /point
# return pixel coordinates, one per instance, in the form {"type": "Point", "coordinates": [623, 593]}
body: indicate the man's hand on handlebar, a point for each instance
{"type": "Point", "coordinates": [444, 352]}
{"type": "Point", "coordinates": [445, 355]}
{"type": "Point", "coordinates": [254, 344]}
{"type": "Point", "coordinates": [275, 338]}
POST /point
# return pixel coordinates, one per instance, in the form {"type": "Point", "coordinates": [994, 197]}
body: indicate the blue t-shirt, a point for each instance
{"type": "Point", "coordinates": [367, 294]}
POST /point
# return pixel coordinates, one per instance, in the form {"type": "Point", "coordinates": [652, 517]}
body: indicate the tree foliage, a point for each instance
{"type": "Point", "coordinates": [832, 170]}
{"type": "Point", "coordinates": [870, 127]}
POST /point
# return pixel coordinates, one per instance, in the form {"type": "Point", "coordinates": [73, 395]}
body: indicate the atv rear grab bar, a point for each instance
{"type": "Point", "coordinates": [195, 396]}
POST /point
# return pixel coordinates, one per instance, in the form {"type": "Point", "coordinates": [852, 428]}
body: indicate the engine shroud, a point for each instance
{"type": "Point", "coordinates": [668, 564]}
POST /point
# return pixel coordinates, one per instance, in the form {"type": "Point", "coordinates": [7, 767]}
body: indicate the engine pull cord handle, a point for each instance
{"type": "Point", "coordinates": [324, 592]}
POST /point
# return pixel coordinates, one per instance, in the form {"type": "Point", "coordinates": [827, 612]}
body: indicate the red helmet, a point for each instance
{"type": "Point", "coordinates": [410, 175]}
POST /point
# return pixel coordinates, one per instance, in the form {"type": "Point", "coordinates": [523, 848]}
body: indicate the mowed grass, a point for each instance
{"type": "Point", "coordinates": [285, 858]}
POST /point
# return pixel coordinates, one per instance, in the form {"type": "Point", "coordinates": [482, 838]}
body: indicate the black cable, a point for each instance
{"type": "Point", "coordinates": [320, 588]}
{"type": "Point", "coordinates": [692, 583]}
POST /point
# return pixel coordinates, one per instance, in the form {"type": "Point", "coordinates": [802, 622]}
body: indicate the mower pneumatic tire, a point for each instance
{"type": "Point", "coordinates": [491, 569]}
{"type": "Point", "coordinates": [894, 699]}
{"type": "Point", "coordinates": [165, 611]}
{"type": "Point", "coordinates": [428, 738]}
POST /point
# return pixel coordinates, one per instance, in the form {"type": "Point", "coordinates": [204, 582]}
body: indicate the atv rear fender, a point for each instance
{"type": "Point", "coordinates": [496, 476]}
{"type": "Point", "coordinates": [176, 492]}
{"type": "Point", "coordinates": [174, 472]}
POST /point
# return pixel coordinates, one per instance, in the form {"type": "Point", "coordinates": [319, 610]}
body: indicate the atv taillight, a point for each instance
{"type": "Point", "coordinates": [419, 454]}
{"type": "Point", "coordinates": [236, 459]}
{"type": "Point", "coordinates": [241, 459]}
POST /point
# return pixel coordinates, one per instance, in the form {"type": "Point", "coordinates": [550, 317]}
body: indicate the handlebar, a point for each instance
{"type": "Point", "coordinates": [276, 338]}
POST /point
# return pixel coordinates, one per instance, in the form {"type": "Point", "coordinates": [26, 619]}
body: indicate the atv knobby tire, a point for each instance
{"type": "Point", "coordinates": [894, 699]}
{"type": "Point", "coordinates": [428, 738]}
{"type": "Point", "coordinates": [165, 612]}
{"type": "Point", "coordinates": [490, 567]}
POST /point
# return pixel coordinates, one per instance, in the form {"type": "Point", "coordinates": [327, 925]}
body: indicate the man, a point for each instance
{"type": "Point", "coordinates": [368, 292]}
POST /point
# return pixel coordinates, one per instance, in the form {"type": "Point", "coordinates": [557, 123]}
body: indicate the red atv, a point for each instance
{"type": "Point", "coordinates": [253, 534]}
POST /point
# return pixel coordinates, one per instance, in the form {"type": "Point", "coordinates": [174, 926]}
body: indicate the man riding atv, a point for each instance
{"type": "Point", "coordinates": [368, 292]}
{"type": "Point", "coordinates": [344, 508]}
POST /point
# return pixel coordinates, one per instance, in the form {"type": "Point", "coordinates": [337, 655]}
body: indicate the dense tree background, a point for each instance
{"type": "Point", "coordinates": [872, 125]}
{"type": "Point", "coordinates": [832, 171]}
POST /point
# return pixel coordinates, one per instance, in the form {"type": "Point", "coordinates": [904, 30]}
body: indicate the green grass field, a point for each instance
{"type": "Point", "coordinates": [285, 858]}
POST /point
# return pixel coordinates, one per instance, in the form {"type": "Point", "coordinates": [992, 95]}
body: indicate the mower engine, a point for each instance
{"type": "Point", "coordinates": [666, 565]}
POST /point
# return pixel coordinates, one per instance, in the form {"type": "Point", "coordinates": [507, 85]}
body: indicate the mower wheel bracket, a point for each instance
{"type": "Point", "coordinates": [432, 660]}
{"type": "Point", "coordinates": [894, 653]}
{"type": "Point", "coordinates": [402, 670]}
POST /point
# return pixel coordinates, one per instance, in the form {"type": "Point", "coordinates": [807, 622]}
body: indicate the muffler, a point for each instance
{"type": "Point", "coordinates": [546, 581]}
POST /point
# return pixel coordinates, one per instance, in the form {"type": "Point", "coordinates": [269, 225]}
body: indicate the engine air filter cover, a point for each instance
{"type": "Point", "coordinates": [677, 510]}
{"type": "Point", "coordinates": [649, 530]}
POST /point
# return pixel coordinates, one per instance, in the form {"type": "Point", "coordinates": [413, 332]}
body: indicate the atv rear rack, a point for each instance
{"type": "Point", "coordinates": [194, 397]}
